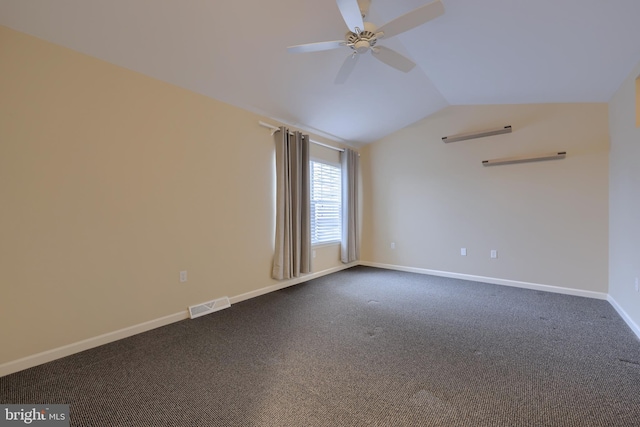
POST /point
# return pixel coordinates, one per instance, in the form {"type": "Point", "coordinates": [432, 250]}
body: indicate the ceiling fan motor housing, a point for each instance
{"type": "Point", "coordinates": [364, 40]}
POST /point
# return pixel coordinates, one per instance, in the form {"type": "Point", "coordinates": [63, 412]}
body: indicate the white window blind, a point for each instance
{"type": "Point", "coordinates": [326, 200]}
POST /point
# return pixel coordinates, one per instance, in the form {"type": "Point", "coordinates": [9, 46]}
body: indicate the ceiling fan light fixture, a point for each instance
{"type": "Point", "coordinates": [361, 46]}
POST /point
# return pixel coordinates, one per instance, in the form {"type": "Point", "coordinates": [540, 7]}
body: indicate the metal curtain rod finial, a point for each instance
{"type": "Point", "coordinates": [275, 129]}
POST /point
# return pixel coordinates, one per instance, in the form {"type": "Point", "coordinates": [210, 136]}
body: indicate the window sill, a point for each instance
{"type": "Point", "coordinates": [323, 244]}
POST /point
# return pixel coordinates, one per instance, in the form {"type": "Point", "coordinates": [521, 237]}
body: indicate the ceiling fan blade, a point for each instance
{"type": "Point", "coordinates": [412, 19]}
{"type": "Point", "coordinates": [351, 14]}
{"type": "Point", "coordinates": [315, 47]}
{"type": "Point", "coordinates": [346, 69]}
{"type": "Point", "coordinates": [393, 59]}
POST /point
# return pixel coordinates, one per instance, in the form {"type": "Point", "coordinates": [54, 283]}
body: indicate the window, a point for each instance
{"type": "Point", "coordinates": [326, 201]}
{"type": "Point", "coordinates": [638, 101]}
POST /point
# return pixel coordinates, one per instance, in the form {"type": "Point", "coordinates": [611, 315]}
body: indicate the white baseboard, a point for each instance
{"type": "Point", "coordinates": [526, 285]}
{"type": "Point", "coordinates": [492, 280]}
{"type": "Point", "coordinates": [634, 327]}
{"type": "Point", "coordinates": [291, 282]}
{"type": "Point", "coordinates": [67, 350]}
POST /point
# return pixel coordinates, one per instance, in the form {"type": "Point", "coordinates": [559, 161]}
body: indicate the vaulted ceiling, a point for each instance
{"type": "Point", "coordinates": [478, 52]}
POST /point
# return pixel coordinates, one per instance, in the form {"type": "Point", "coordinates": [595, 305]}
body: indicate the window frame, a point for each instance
{"type": "Point", "coordinates": [637, 99]}
{"type": "Point", "coordinates": [337, 165]}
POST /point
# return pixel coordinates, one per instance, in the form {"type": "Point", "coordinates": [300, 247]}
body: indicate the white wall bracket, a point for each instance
{"type": "Point", "coordinates": [480, 134]}
{"type": "Point", "coordinates": [524, 159]}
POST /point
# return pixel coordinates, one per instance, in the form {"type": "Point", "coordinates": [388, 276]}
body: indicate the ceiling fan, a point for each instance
{"type": "Point", "coordinates": [363, 37]}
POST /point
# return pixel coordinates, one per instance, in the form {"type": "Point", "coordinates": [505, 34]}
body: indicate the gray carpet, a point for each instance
{"type": "Point", "coordinates": [363, 347]}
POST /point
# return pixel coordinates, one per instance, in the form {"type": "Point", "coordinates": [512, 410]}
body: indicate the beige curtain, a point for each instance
{"type": "Point", "coordinates": [350, 246]}
{"type": "Point", "coordinates": [293, 223]}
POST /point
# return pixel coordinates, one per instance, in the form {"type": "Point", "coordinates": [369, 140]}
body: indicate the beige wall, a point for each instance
{"type": "Point", "coordinates": [111, 183]}
{"type": "Point", "coordinates": [547, 220]}
{"type": "Point", "coordinates": [624, 198]}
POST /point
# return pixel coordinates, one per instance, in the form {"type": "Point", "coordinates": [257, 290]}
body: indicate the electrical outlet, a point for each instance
{"type": "Point", "coordinates": [313, 254]}
{"type": "Point", "coordinates": [463, 251]}
{"type": "Point", "coordinates": [637, 286]}
{"type": "Point", "coordinates": [183, 276]}
{"type": "Point", "coordinates": [393, 245]}
{"type": "Point", "coordinates": [494, 253]}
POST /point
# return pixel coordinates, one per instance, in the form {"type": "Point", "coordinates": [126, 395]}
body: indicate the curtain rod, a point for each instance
{"type": "Point", "coordinates": [275, 129]}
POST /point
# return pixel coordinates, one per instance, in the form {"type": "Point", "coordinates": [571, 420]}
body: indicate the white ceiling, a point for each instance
{"type": "Point", "coordinates": [478, 52]}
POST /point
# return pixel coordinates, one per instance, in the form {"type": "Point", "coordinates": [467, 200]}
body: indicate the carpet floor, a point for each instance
{"type": "Point", "coordinates": [362, 347]}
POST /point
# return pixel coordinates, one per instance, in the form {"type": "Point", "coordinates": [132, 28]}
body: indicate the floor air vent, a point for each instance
{"type": "Point", "coordinates": [209, 307]}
